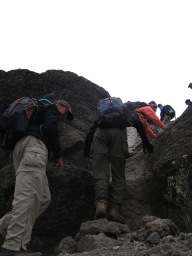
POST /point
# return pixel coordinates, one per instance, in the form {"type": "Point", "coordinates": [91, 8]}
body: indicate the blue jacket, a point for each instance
{"type": "Point", "coordinates": [164, 112]}
{"type": "Point", "coordinates": [167, 110]}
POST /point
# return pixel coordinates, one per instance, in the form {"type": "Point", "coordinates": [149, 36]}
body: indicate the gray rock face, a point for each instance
{"type": "Point", "coordinates": [72, 189]}
{"type": "Point", "coordinates": [158, 184]}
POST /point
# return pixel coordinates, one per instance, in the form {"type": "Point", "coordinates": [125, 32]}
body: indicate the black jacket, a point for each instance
{"type": "Point", "coordinates": [45, 127]}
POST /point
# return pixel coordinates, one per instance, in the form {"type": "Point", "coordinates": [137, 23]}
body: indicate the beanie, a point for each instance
{"type": "Point", "coordinates": [153, 104]}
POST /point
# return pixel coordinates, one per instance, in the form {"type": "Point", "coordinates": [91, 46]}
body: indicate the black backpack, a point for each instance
{"type": "Point", "coordinates": [171, 111]}
{"type": "Point", "coordinates": [132, 105]}
{"type": "Point", "coordinates": [15, 120]}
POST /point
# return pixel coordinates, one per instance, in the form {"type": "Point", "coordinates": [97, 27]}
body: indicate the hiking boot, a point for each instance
{"type": "Point", "coordinates": [114, 215]}
{"type": "Point", "coordinates": [7, 252]}
{"type": "Point", "coordinates": [100, 210]}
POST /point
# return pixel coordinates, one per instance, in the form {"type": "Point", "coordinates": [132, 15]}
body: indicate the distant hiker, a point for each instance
{"type": "Point", "coordinates": [188, 102]}
{"type": "Point", "coordinates": [148, 113]}
{"type": "Point", "coordinates": [150, 122]}
{"type": "Point", "coordinates": [190, 85]}
{"type": "Point", "coordinates": [167, 113]}
{"type": "Point", "coordinates": [32, 195]}
{"type": "Point", "coordinates": [109, 153]}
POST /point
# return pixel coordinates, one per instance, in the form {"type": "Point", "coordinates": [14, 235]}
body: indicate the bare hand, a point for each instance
{"type": "Point", "coordinates": [59, 163]}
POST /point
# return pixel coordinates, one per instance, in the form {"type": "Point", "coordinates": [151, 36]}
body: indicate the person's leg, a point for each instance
{"type": "Point", "coordinates": [4, 223]}
{"type": "Point", "coordinates": [164, 120]}
{"type": "Point", "coordinates": [46, 199]}
{"type": "Point", "coordinates": [29, 191]}
{"type": "Point", "coordinates": [100, 171]}
{"type": "Point", "coordinates": [17, 158]}
{"type": "Point", "coordinates": [117, 186]}
{"type": "Point", "coordinates": [116, 190]}
{"type": "Point", "coordinates": [131, 138]}
{"type": "Point", "coordinates": [118, 152]}
{"type": "Point", "coordinates": [101, 177]}
{"type": "Point", "coordinates": [168, 120]}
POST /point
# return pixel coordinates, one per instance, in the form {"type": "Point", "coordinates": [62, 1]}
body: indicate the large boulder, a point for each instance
{"type": "Point", "coordinates": [158, 184]}
{"type": "Point", "coordinates": [72, 188]}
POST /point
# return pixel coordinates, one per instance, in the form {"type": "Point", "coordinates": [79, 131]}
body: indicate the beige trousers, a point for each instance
{"type": "Point", "coordinates": [133, 138]}
{"type": "Point", "coordinates": [166, 119]}
{"type": "Point", "coordinates": [32, 195]}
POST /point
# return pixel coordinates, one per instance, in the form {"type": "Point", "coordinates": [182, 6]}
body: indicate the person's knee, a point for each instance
{"type": "Point", "coordinates": [48, 200]}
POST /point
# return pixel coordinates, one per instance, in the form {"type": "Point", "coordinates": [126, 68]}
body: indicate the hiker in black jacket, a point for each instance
{"type": "Point", "coordinates": [110, 149]}
{"type": "Point", "coordinates": [32, 195]}
{"type": "Point", "coordinates": [167, 113]}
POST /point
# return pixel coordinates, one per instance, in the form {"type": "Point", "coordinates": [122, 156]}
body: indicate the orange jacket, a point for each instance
{"type": "Point", "coordinates": [148, 113]}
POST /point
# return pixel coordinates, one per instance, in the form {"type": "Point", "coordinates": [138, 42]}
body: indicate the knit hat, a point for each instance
{"type": "Point", "coordinates": [153, 104]}
{"type": "Point", "coordinates": [187, 101]}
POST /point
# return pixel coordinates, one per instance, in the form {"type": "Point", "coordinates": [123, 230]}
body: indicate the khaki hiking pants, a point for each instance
{"type": "Point", "coordinates": [133, 138]}
{"type": "Point", "coordinates": [31, 196]}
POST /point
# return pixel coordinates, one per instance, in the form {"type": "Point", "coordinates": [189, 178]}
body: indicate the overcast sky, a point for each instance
{"type": "Point", "coordinates": [135, 49]}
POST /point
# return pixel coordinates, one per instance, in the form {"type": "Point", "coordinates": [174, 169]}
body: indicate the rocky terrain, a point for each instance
{"type": "Point", "coordinates": [157, 202]}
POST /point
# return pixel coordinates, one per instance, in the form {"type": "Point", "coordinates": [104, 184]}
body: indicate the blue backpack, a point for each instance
{"type": "Point", "coordinates": [110, 105]}
{"type": "Point", "coordinates": [111, 113]}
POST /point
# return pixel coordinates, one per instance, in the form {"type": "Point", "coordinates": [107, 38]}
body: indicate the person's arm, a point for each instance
{"type": "Point", "coordinates": [141, 131]}
{"type": "Point", "coordinates": [59, 163]}
{"type": "Point", "coordinates": [150, 114]}
{"type": "Point", "coordinates": [90, 134]}
{"type": "Point", "coordinates": [89, 139]}
{"type": "Point", "coordinates": [51, 132]}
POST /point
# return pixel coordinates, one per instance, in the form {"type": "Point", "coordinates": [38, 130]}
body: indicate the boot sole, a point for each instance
{"type": "Point", "coordinates": [100, 215]}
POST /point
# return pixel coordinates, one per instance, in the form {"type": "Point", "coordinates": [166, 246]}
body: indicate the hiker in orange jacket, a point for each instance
{"type": "Point", "coordinates": [148, 113]}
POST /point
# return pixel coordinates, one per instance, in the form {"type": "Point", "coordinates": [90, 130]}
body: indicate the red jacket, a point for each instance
{"type": "Point", "coordinates": [148, 113]}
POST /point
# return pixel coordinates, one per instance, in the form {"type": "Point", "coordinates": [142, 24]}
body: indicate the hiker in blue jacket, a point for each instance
{"type": "Point", "coordinates": [188, 102]}
{"type": "Point", "coordinates": [32, 195]}
{"type": "Point", "coordinates": [109, 152]}
{"type": "Point", "coordinates": [167, 113]}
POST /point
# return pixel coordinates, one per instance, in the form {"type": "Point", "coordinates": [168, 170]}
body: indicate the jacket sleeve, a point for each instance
{"type": "Point", "coordinates": [150, 114]}
{"type": "Point", "coordinates": [90, 134]}
{"type": "Point", "coordinates": [141, 131]}
{"type": "Point", "coordinates": [50, 130]}
{"type": "Point", "coordinates": [149, 131]}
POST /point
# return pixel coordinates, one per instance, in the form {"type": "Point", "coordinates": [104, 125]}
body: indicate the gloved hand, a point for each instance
{"type": "Point", "coordinates": [86, 152]}
{"type": "Point", "coordinates": [149, 147]}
